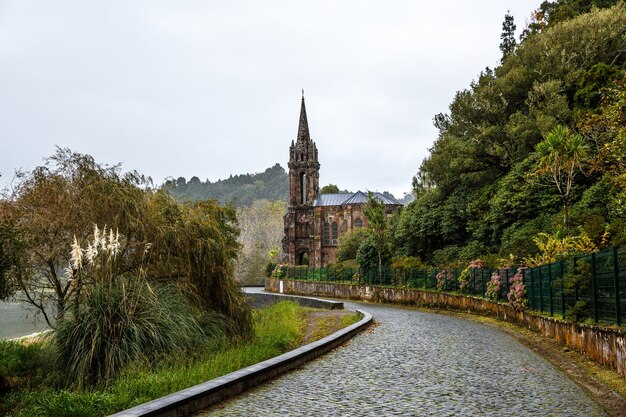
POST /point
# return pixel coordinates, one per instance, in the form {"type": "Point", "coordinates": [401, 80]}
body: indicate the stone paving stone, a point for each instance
{"type": "Point", "coordinates": [419, 364]}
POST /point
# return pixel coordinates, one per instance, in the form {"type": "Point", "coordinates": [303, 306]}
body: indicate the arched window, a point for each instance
{"type": "Point", "coordinates": [335, 233]}
{"type": "Point", "coordinates": [302, 188]}
{"type": "Point", "coordinates": [358, 223]}
{"type": "Point", "coordinates": [326, 234]}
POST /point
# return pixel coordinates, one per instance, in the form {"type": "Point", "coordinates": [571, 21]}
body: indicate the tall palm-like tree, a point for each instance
{"type": "Point", "coordinates": [562, 154]}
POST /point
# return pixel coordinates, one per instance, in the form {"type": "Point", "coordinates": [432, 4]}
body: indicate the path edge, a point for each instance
{"type": "Point", "coordinates": [206, 394]}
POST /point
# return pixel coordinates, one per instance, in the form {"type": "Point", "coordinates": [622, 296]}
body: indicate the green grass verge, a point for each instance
{"type": "Point", "coordinates": [277, 329]}
{"type": "Point", "coordinates": [327, 325]}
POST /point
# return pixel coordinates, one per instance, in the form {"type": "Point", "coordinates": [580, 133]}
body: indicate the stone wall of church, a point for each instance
{"type": "Point", "coordinates": [345, 218]}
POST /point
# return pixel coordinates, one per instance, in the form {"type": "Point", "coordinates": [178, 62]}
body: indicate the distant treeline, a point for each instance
{"type": "Point", "coordinates": [240, 190]}
{"type": "Point", "coordinates": [244, 190]}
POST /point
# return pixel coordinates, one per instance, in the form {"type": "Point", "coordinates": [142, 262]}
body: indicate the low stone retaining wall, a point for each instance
{"type": "Point", "coordinates": [604, 345]}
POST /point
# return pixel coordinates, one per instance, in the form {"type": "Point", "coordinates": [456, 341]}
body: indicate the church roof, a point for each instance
{"type": "Point", "coordinates": [331, 199]}
{"type": "Point", "coordinates": [350, 198]}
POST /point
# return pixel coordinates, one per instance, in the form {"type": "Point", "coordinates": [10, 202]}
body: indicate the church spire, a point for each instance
{"type": "Point", "coordinates": [303, 127]}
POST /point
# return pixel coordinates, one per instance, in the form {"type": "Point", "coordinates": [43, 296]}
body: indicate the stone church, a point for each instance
{"type": "Point", "coordinates": [314, 222]}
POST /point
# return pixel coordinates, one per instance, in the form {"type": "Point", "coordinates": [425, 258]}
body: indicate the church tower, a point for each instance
{"type": "Point", "coordinates": [301, 244]}
{"type": "Point", "coordinates": [315, 222]}
{"type": "Point", "coordinates": [304, 167]}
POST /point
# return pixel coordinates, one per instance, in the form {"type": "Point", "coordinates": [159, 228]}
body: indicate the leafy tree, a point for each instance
{"type": "Point", "coordinates": [561, 156]}
{"type": "Point", "coordinates": [329, 189]}
{"type": "Point", "coordinates": [56, 206]}
{"type": "Point", "coordinates": [416, 231]}
{"type": "Point", "coordinates": [371, 258]}
{"type": "Point", "coordinates": [374, 210]}
{"type": "Point", "coordinates": [508, 44]}
{"type": "Point", "coordinates": [349, 244]}
{"type": "Point", "coordinates": [9, 246]}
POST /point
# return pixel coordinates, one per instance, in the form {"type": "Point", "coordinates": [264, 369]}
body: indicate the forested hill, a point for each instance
{"type": "Point", "coordinates": [536, 145]}
{"type": "Point", "coordinates": [241, 190]}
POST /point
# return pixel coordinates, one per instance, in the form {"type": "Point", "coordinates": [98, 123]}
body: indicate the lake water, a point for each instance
{"type": "Point", "coordinates": [19, 319]}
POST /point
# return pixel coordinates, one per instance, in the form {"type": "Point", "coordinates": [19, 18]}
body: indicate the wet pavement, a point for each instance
{"type": "Point", "coordinates": [413, 363]}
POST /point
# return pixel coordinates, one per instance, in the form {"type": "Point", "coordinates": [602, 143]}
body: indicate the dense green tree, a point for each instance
{"type": "Point", "coordinates": [371, 257]}
{"type": "Point", "coordinates": [473, 186]}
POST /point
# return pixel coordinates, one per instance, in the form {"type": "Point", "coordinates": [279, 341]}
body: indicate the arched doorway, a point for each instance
{"type": "Point", "coordinates": [303, 257]}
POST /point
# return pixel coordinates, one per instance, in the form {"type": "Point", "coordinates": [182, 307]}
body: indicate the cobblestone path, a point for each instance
{"type": "Point", "coordinates": [419, 364]}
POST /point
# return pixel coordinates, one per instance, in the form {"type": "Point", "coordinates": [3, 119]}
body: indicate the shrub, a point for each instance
{"type": "Point", "coordinates": [280, 271]}
{"type": "Point", "coordinates": [350, 243]}
{"type": "Point", "coordinates": [24, 365]}
{"type": "Point", "coordinates": [517, 291]}
{"type": "Point", "coordinates": [408, 262]}
{"type": "Point", "coordinates": [445, 280]}
{"type": "Point", "coordinates": [465, 275]}
{"type": "Point", "coordinates": [123, 321]}
{"type": "Point", "coordinates": [269, 268]}
{"type": "Point", "coordinates": [344, 270]}
{"type": "Point", "coordinates": [559, 246]}
{"type": "Point", "coordinates": [494, 287]}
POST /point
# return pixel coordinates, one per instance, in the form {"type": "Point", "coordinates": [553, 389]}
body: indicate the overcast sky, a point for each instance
{"type": "Point", "coordinates": [212, 88]}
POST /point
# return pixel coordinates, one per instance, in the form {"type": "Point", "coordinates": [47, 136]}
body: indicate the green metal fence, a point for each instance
{"type": "Point", "coordinates": [590, 287]}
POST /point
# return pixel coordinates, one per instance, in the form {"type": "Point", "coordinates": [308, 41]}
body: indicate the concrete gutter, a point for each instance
{"type": "Point", "coordinates": [201, 396]}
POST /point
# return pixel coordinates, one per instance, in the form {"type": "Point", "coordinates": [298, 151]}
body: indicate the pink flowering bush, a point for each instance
{"type": "Point", "coordinates": [464, 277]}
{"type": "Point", "coordinates": [517, 291]}
{"type": "Point", "coordinates": [445, 280]}
{"type": "Point", "coordinates": [494, 286]}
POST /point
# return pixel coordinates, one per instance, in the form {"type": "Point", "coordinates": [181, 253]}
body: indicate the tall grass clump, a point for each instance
{"type": "Point", "coordinates": [123, 321]}
{"type": "Point", "coordinates": [118, 318]}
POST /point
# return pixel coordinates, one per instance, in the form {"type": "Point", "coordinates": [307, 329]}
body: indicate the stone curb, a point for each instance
{"type": "Point", "coordinates": [212, 392]}
{"type": "Point", "coordinates": [264, 299]}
